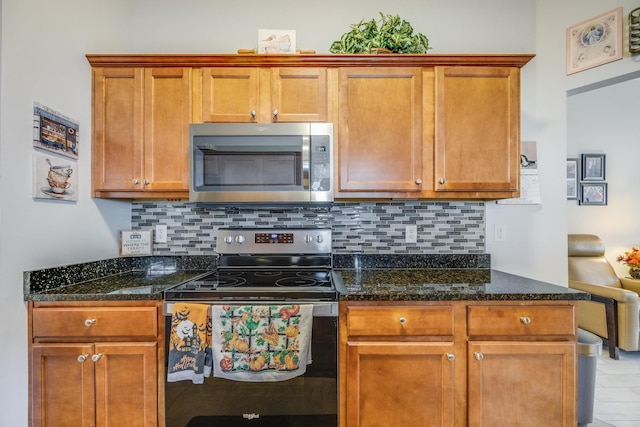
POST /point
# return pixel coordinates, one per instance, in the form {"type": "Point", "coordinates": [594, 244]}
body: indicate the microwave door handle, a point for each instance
{"type": "Point", "coordinates": [252, 148]}
{"type": "Point", "coordinates": [306, 163]}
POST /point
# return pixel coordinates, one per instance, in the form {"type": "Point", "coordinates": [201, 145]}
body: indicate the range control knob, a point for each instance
{"type": "Point", "coordinates": [240, 239]}
{"type": "Point", "coordinates": [228, 239]}
{"type": "Point", "coordinates": [308, 238]}
{"type": "Point", "coordinates": [319, 239]}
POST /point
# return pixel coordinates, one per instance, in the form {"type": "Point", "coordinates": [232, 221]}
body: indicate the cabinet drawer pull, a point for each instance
{"type": "Point", "coordinates": [135, 181]}
{"type": "Point", "coordinates": [275, 113]}
{"type": "Point", "coordinates": [89, 322]}
{"type": "Point", "coordinates": [451, 357]}
{"type": "Point", "coordinates": [478, 356]}
{"type": "Point", "coordinates": [96, 357]}
{"type": "Point", "coordinates": [525, 320]}
{"type": "Point", "coordinates": [253, 113]}
{"type": "Point", "coordinates": [402, 320]}
{"type": "Point", "coordinates": [82, 357]}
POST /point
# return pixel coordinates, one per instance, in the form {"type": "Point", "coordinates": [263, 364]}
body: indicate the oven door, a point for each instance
{"type": "Point", "coordinates": [309, 400]}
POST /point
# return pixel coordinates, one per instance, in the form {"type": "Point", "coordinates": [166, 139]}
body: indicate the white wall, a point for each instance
{"type": "Point", "coordinates": [536, 234]}
{"type": "Point", "coordinates": [605, 120]}
{"type": "Point", "coordinates": [43, 48]}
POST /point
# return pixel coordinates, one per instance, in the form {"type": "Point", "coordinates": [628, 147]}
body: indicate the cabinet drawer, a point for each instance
{"type": "Point", "coordinates": [399, 321]}
{"type": "Point", "coordinates": [521, 320]}
{"type": "Point", "coordinates": [95, 322]}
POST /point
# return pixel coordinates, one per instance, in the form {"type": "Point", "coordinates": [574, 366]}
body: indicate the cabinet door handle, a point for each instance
{"type": "Point", "coordinates": [525, 320]}
{"type": "Point", "coordinates": [96, 357]}
{"type": "Point", "coordinates": [89, 322]}
{"type": "Point", "coordinates": [135, 181]}
{"type": "Point", "coordinates": [253, 113]}
{"type": "Point", "coordinates": [146, 182]}
{"type": "Point", "coordinates": [275, 113]}
{"type": "Point", "coordinates": [82, 358]}
{"type": "Point", "coordinates": [451, 357]}
{"type": "Point", "coordinates": [418, 181]}
{"type": "Point", "coordinates": [478, 356]}
{"type": "Point", "coordinates": [402, 320]}
{"type": "Point", "coordinates": [442, 181]}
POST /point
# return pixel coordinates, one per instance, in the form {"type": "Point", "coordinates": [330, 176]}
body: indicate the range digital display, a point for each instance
{"type": "Point", "coordinates": [274, 237]}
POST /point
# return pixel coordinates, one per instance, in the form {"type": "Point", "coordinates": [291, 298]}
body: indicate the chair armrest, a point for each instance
{"type": "Point", "coordinates": [619, 294]}
{"type": "Point", "coordinates": [630, 284]}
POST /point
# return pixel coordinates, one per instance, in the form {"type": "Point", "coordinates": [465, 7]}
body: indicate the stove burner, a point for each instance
{"type": "Point", "coordinates": [231, 281]}
{"type": "Point", "coordinates": [267, 273]}
{"type": "Point", "coordinates": [296, 281]}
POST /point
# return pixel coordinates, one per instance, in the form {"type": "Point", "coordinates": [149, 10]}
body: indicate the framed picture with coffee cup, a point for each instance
{"type": "Point", "coordinates": [54, 178]}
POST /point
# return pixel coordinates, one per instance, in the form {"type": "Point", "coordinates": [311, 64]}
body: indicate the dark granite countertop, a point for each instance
{"type": "Point", "coordinates": [357, 278]}
{"type": "Point", "coordinates": [126, 278]}
{"type": "Point", "coordinates": [445, 285]}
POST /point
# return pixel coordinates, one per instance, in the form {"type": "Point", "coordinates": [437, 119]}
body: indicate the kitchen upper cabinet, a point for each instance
{"type": "Point", "coordinates": [477, 130]}
{"type": "Point", "coordinates": [95, 364]}
{"type": "Point", "coordinates": [380, 140]}
{"type": "Point", "coordinates": [405, 126]}
{"type": "Point", "coordinates": [264, 95]}
{"type": "Point", "coordinates": [141, 122]}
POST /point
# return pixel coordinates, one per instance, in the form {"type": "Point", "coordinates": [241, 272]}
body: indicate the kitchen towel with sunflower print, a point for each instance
{"type": "Point", "coordinates": [189, 343]}
{"type": "Point", "coordinates": [261, 342]}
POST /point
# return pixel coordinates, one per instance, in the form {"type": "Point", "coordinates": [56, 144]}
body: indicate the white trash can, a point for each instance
{"type": "Point", "coordinates": [589, 348]}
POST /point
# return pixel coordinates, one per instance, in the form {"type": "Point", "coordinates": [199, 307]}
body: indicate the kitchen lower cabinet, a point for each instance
{"type": "Point", "coordinates": [457, 364]}
{"type": "Point", "coordinates": [95, 365]}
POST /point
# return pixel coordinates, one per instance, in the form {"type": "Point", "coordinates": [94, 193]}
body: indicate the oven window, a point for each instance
{"type": "Point", "coordinates": [252, 169]}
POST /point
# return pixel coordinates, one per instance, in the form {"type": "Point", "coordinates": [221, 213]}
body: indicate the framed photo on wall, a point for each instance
{"type": "Point", "coordinates": [593, 167]}
{"type": "Point", "coordinates": [593, 193]}
{"type": "Point", "coordinates": [595, 41]}
{"type": "Point", "coordinates": [573, 178]}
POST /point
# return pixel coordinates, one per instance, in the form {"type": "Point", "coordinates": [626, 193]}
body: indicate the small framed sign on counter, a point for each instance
{"type": "Point", "coordinates": [135, 242]}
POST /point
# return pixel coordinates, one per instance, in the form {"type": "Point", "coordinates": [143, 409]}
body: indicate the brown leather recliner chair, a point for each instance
{"type": "Point", "coordinates": [613, 312]}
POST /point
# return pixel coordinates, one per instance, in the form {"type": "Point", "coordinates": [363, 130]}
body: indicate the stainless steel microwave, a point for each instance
{"type": "Point", "coordinates": [261, 163]}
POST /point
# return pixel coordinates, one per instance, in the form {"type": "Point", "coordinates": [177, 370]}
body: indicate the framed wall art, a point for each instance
{"type": "Point", "coordinates": [573, 178]}
{"type": "Point", "coordinates": [592, 193]}
{"type": "Point", "coordinates": [54, 178]}
{"type": "Point", "coordinates": [593, 167]}
{"type": "Point", "coordinates": [595, 41]}
{"type": "Point", "coordinates": [55, 132]}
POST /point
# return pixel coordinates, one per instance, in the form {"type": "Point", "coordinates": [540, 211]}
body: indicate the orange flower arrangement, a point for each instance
{"type": "Point", "coordinates": [632, 260]}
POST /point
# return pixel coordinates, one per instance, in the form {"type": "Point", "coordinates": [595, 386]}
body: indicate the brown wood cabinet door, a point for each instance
{"type": "Point", "coordinates": [523, 384]}
{"type": "Point", "coordinates": [62, 385]}
{"type": "Point", "coordinates": [167, 114]}
{"type": "Point", "coordinates": [380, 133]}
{"type": "Point", "coordinates": [117, 128]}
{"type": "Point", "coordinates": [230, 94]}
{"type": "Point", "coordinates": [399, 384]}
{"type": "Point", "coordinates": [126, 384]}
{"type": "Point", "coordinates": [299, 95]}
{"type": "Point", "coordinates": [477, 126]}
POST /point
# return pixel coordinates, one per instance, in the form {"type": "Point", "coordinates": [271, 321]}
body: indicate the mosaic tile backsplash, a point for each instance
{"type": "Point", "coordinates": [369, 228]}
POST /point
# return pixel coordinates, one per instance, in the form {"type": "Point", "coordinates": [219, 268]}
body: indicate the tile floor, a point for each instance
{"type": "Point", "coordinates": [617, 395]}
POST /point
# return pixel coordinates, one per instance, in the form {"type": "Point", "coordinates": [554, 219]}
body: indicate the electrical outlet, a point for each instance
{"type": "Point", "coordinates": [161, 233]}
{"type": "Point", "coordinates": [411, 234]}
{"type": "Point", "coordinates": [500, 233]}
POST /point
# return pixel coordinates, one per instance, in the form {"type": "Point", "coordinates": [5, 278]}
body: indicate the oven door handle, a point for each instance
{"type": "Point", "coordinates": [320, 308]}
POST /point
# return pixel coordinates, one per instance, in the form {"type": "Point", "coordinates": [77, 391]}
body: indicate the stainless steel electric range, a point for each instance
{"type": "Point", "coordinates": [265, 267]}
